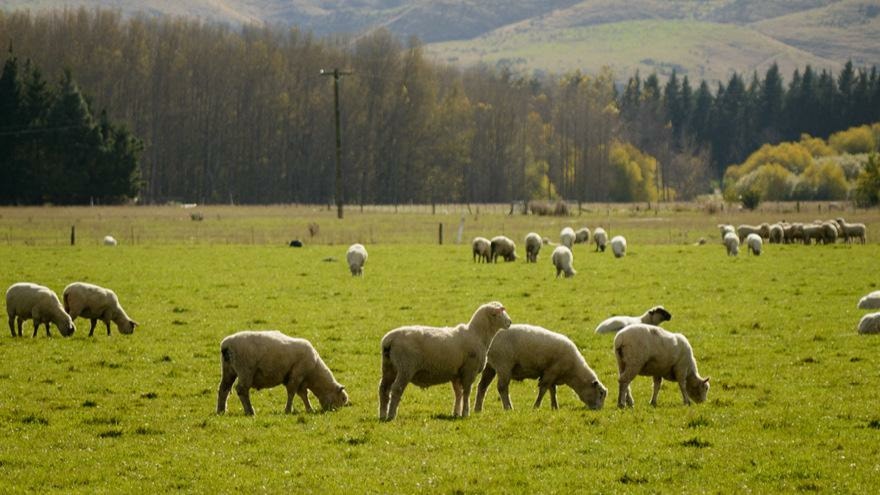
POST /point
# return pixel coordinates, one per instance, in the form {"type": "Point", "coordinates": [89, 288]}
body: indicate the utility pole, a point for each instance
{"type": "Point", "coordinates": [336, 73]}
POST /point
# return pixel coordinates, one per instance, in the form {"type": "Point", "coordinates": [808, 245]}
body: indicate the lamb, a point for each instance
{"type": "Point", "coordinates": [776, 233]}
{"type": "Point", "coordinates": [726, 228]}
{"type": "Point", "coordinates": [109, 240]}
{"type": "Point", "coordinates": [356, 257]}
{"type": "Point", "coordinates": [531, 352]}
{"type": "Point", "coordinates": [731, 242]}
{"type": "Point", "coordinates": [582, 235]}
{"type": "Point", "coordinates": [850, 230]}
{"type": "Point", "coordinates": [618, 246]}
{"type": "Point", "coordinates": [562, 259]}
{"type": "Point", "coordinates": [265, 359]}
{"type": "Point", "coordinates": [96, 303]}
{"type": "Point", "coordinates": [871, 301]}
{"type": "Point", "coordinates": [31, 301]}
{"type": "Point", "coordinates": [870, 323]}
{"type": "Point", "coordinates": [754, 243]}
{"type": "Point", "coordinates": [600, 238]}
{"type": "Point", "coordinates": [533, 247]}
{"type": "Point", "coordinates": [481, 248]}
{"type": "Point", "coordinates": [653, 316]}
{"type": "Point", "coordinates": [649, 350]}
{"type": "Point", "coordinates": [429, 356]}
{"type": "Point", "coordinates": [502, 246]}
{"type": "Point", "coordinates": [762, 230]}
{"type": "Point", "coordinates": [566, 237]}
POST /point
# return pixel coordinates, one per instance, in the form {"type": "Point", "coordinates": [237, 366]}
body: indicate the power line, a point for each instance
{"type": "Point", "coordinates": [336, 73]}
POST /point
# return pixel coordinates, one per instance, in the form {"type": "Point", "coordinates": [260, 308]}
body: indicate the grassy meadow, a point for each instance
{"type": "Point", "coordinates": [793, 404]}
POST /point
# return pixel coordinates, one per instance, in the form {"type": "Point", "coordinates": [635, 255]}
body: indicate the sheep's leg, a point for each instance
{"type": "Point", "coordinates": [485, 380]}
{"type": "Point", "coordinates": [92, 330]}
{"type": "Point", "coordinates": [107, 322]}
{"type": "Point", "coordinates": [397, 389]}
{"type": "Point", "coordinates": [388, 376]}
{"type": "Point", "coordinates": [466, 384]}
{"type": "Point", "coordinates": [226, 380]}
{"type": "Point", "coordinates": [243, 389]}
{"type": "Point", "coordinates": [303, 394]}
{"type": "Point", "coordinates": [47, 329]}
{"type": "Point", "coordinates": [553, 403]}
{"type": "Point", "coordinates": [36, 328]}
{"type": "Point", "coordinates": [20, 325]}
{"type": "Point", "coordinates": [504, 390]}
{"type": "Point", "coordinates": [658, 380]}
{"type": "Point", "coordinates": [684, 394]}
{"type": "Point", "coordinates": [456, 389]}
{"type": "Point", "coordinates": [12, 325]}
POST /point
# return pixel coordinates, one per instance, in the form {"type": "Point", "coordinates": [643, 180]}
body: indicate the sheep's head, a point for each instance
{"type": "Point", "coordinates": [658, 315]}
{"type": "Point", "coordinates": [334, 400]}
{"type": "Point", "coordinates": [127, 327]}
{"type": "Point", "coordinates": [698, 389]}
{"type": "Point", "coordinates": [66, 326]}
{"type": "Point", "coordinates": [493, 315]}
{"type": "Point", "coordinates": [593, 394]}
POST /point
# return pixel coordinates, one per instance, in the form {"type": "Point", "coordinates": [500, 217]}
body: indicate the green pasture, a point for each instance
{"type": "Point", "coordinates": [793, 404]}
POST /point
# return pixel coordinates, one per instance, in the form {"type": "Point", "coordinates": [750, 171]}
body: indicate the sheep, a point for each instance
{"type": "Point", "coordinates": [533, 247]}
{"type": "Point", "coordinates": [731, 242]}
{"type": "Point", "coordinates": [356, 257]}
{"type": "Point", "coordinates": [25, 300]}
{"type": "Point", "coordinates": [531, 352]}
{"type": "Point", "coordinates": [871, 301]}
{"type": "Point", "coordinates": [582, 235]}
{"type": "Point", "coordinates": [618, 246]}
{"type": "Point", "coordinates": [562, 260]}
{"type": "Point", "coordinates": [109, 240]}
{"type": "Point", "coordinates": [649, 350]}
{"type": "Point", "coordinates": [796, 232]}
{"type": "Point", "coordinates": [726, 228]}
{"type": "Point", "coordinates": [600, 238]}
{"type": "Point", "coordinates": [429, 356]}
{"type": "Point", "coordinates": [566, 237]}
{"type": "Point", "coordinates": [762, 230]}
{"type": "Point", "coordinates": [870, 323]}
{"type": "Point", "coordinates": [850, 230]}
{"type": "Point", "coordinates": [813, 231]}
{"type": "Point", "coordinates": [653, 316]}
{"type": "Point", "coordinates": [480, 246]}
{"type": "Point", "coordinates": [502, 246]}
{"type": "Point", "coordinates": [96, 303]}
{"type": "Point", "coordinates": [754, 244]}
{"type": "Point", "coordinates": [268, 358]}
{"type": "Point", "coordinates": [829, 232]}
{"type": "Point", "coordinates": [776, 233]}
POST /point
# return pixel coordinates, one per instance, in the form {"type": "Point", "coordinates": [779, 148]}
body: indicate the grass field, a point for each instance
{"type": "Point", "coordinates": [793, 404]}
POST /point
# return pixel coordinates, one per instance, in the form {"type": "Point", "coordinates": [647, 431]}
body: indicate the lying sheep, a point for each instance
{"type": "Point", "coordinates": [725, 229]}
{"type": "Point", "coordinates": [618, 246]}
{"type": "Point", "coordinates": [109, 240]}
{"type": "Point", "coordinates": [429, 356]}
{"type": "Point", "coordinates": [96, 303]}
{"type": "Point", "coordinates": [777, 233]}
{"type": "Point", "coordinates": [265, 359]}
{"type": "Point", "coordinates": [754, 244]}
{"type": "Point", "coordinates": [870, 323]}
{"type": "Point", "coordinates": [533, 247]}
{"type": "Point", "coordinates": [481, 248]}
{"type": "Point", "coordinates": [653, 316]}
{"type": "Point", "coordinates": [582, 235]}
{"type": "Point", "coordinates": [649, 350]}
{"type": "Point", "coordinates": [356, 257]}
{"type": "Point", "coordinates": [871, 301]}
{"type": "Point", "coordinates": [531, 352]}
{"type": "Point", "coordinates": [850, 230]}
{"type": "Point", "coordinates": [600, 238]}
{"type": "Point", "coordinates": [566, 237]}
{"type": "Point", "coordinates": [502, 246]}
{"type": "Point", "coordinates": [562, 260]}
{"type": "Point", "coordinates": [731, 242]}
{"type": "Point", "coordinates": [31, 301]}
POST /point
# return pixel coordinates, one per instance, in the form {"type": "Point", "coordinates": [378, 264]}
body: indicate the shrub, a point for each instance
{"type": "Point", "coordinates": [750, 198]}
{"type": "Point", "coordinates": [854, 140]}
{"type": "Point", "coordinates": [867, 191]}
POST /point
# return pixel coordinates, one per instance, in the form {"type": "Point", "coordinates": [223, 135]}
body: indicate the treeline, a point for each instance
{"type": "Point", "coordinates": [244, 116]}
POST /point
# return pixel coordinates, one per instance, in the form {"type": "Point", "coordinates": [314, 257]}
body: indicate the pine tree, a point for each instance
{"type": "Point", "coordinates": [11, 124]}
{"type": "Point", "coordinates": [770, 106]}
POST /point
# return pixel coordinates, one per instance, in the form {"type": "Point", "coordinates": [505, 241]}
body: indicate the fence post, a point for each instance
{"type": "Point", "coordinates": [441, 234]}
{"type": "Point", "coordinates": [73, 235]}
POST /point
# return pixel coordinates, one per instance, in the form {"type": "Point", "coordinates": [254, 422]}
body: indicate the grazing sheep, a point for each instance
{"type": "Point", "coordinates": [777, 233]}
{"type": "Point", "coordinates": [813, 231]}
{"type": "Point", "coordinates": [731, 242]}
{"type": "Point", "coordinates": [649, 350]}
{"type": "Point", "coordinates": [829, 232]}
{"type": "Point", "coordinates": [797, 232]}
{"type": "Point", "coordinates": [356, 257]}
{"type": "Point", "coordinates": [109, 240]}
{"type": "Point", "coordinates": [870, 323]}
{"type": "Point", "coordinates": [429, 356]}
{"type": "Point", "coordinates": [502, 246]}
{"type": "Point", "coordinates": [653, 316]}
{"type": "Point", "coordinates": [481, 249]}
{"type": "Point", "coordinates": [582, 235]}
{"type": "Point", "coordinates": [754, 244]}
{"type": "Point", "coordinates": [31, 301]}
{"type": "Point", "coordinates": [618, 246]}
{"type": "Point", "coordinates": [726, 228]}
{"type": "Point", "coordinates": [871, 301]}
{"type": "Point", "coordinates": [531, 352]}
{"type": "Point", "coordinates": [762, 230]}
{"type": "Point", "coordinates": [850, 230]}
{"type": "Point", "coordinates": [96, 303]}
{"type": "Point", "coordinates": [265, 359]}
{"type": "Point", "coordinates": [533, 247]}
{"type": "Point", "coordinates": [562, 260]}
{"type": "Point", "coordinates": [600, 238]}
{"type": "Point", "coordinates": [566, 237]}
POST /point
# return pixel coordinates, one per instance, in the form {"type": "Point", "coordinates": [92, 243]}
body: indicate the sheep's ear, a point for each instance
{"type": "Point", "coordinates": [706, 380]}
{"type": "Point", "coordinates": [595, 383]}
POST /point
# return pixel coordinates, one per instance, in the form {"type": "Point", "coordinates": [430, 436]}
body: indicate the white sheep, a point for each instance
{"type": "Point", "coordinates": [533, 247]}
{"type": "Point", "coordinates": [754, 244]}
{"type": "Point", "coordinates": [502, 246]}
{"type": "Point", "coordinates": [109, 240]}
{"type": "Point", "coordinates": [850, 230]}
{"type": "Point", "coordinates": [870, 323]}
{"type": "Point", "coordinates": [653, 316]}
{"type": "Point", "coordinates": [813, 231]}
{"type": "Point", "coordinates": [830, 232]}
{"type": "Point", "coordinates": [356, 257]}
{"type": "Point", "coordinates": [429, 356]}
{"type": "Point", "coordinates": [731, 242]}
{"type": "Point", "coordinates": [31, 301]}
{"type": "Point", "coordinates": [649, 350]}
{"type": "Point", "coordinates": [871, 301]}
{"type": "Point", "coordinates": [562, 258]}
{"type": "Point", "coordinates": [531, 352]}
{"type": "Point", "coordinates": [480, 247]}
{"type": "Point", "coordinates": [566, 237]}
{"type": "Point", "coordinates": [725, 229]}
{"type": "Point", "coordinates": [777, 233]}
{"type": "Point", "coordinates": [582, 235]}
{"type": "Point", "coordinates": [265, 359]}
{"type": "Point", "coordinates": [618, 246]}
{"type": "Point", "coordinates": [600, 237]}
{"type": "Point", "coordinates": [762, 230]}
{"type": "Point", "coordinates": [96, 303]}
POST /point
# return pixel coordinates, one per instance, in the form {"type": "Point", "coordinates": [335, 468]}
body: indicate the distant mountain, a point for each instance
{"type": "Point", "coordinates": [704, 39]}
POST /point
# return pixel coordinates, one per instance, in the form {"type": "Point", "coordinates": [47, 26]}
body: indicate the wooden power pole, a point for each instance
{"type": "Point", "coordinates": [336, 73]}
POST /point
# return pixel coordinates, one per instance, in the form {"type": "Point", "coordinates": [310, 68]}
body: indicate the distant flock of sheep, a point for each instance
{"type": "Point", "coordinates": [821, 231]}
